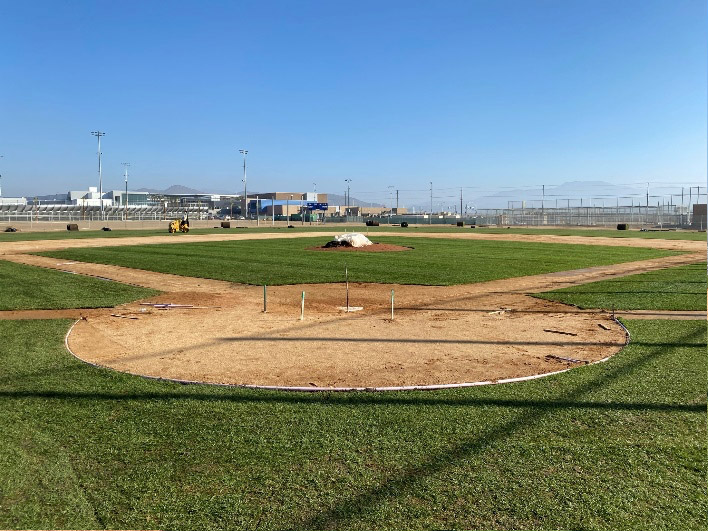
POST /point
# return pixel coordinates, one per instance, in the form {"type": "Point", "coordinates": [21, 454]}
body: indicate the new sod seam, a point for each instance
{"type": "Point", "coordinates": [676, 288]}
{"type": "Point", "coordinates": [618, 445]}
{"type": "Point", "coordinates": [26, 287]}
{"type": "Point", "coordinates": [288, 261]}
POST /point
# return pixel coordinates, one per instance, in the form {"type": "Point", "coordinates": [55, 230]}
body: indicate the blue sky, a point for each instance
{"type": "Point", "coordinates": [480, 94]}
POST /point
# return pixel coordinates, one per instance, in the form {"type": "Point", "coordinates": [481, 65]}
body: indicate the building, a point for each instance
{"type": "Point", "coordinates": [88, 198]}
{"type": "Point", "coordinates": [19, 201]}
{"type": "Point", "coordinates": [134, 198]}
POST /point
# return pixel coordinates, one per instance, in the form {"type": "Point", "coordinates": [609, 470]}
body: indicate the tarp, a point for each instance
{"type": "Point", "coordinates": [356, 239]}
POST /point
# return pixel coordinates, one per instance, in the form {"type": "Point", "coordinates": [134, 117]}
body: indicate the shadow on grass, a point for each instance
{"type": "Point", "coordinates": [357, 507]}
{"type": "Point", "coordinates": [342, 512]}
{"type": "Point", "coordinates": [352, 398]}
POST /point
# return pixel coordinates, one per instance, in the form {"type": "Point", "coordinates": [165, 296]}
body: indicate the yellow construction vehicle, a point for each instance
{"type": "Point", "coordinates": [178, 225]}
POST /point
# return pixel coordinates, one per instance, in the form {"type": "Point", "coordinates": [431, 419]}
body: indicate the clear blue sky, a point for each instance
{"type": "Point", "coordinates": [472, 93]}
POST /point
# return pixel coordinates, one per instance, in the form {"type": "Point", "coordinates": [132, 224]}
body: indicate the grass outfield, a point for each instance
{"type": "Point", "coordinates": [34, 288]}
{"type": "Point", "coordinates": [337, 228]}
{"type": "Point", "coordinates": [619, 445]}
{"type": "Point", "coordinates": [677, 288]}
{"type": "Point", "coordinates": [605, 233]}
{"type": "Point", "coordinates": [286, 261]}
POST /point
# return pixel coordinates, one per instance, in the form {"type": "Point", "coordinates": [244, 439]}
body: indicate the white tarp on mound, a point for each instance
{"type": "Point", "coordinates": [357, 239]}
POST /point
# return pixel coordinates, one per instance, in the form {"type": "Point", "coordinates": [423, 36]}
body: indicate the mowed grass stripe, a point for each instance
{"type": "Point", "coordinates": [288, 261]}
{"type": "Point", "coordinates": [619, 445]}
{"type": "Point", "coordinates": [676, 288]}
{"type": "Point", "coordinates": [25, 287]}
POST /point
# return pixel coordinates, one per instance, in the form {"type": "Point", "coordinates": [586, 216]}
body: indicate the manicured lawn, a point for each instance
{"type": "Point", "coordinates": [605, 233]}
{"type": "Point", "coordinates": [287, 261]}
{"type": "Point", "coordinates": [85, 234]}
{"type": "Point", "coordinates": [331, 228]}
{"type": "Point", "coordinates": [619, 445]}
{"type": "Point", "coordinates": [31, 288]}
{"type": "Point", "coordinates": [676, 288]}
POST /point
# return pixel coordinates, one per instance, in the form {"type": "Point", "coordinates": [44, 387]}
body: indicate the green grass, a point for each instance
{"type": "Point", "coordinates": [86, 234]}
{"type": "Point", "coordinates": [677, 288]}
{"type": "Point", "coordinates": [605, 233]}
{"type": "Point", "coordinates": [619, 445]}
{"type": "Point", "coordinates": [336, 228]}
{"type": "Point", "coordinates": [286, 261]}
{"type": "Point", "coordinates": [33, 288]}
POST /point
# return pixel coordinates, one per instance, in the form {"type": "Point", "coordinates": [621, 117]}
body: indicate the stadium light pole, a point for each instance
{"type": "Point", "coordinates": [430, 218]}
{"type": "Point", "coordinates": [244, 152]}
{"type": "Point", "coordinates": [99, 134]}
{"type": "Point", "coordinates": [126, 165]}
{"type": "Point", "coordinates": [348, 181]}
{"type": "Point", "coordinates": [1, 156]}
{"type": "Point", "coordinates": [288, 208]}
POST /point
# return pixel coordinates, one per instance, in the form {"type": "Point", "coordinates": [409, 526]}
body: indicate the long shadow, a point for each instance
{"type": "Point", "coordinates": [516, 311]}
{"type": "Point", "coordinates": [353, 398]}
{"type": "Point", "coordinates": [568, 342]}
{"type": "Point", "coordinates": [356, 506]}
{"type": "Point", "coordinates": [573, 310]}
{"type": "Point", "coordinates": [632, 292]}
{"type": "Point", "coordinates": [226, 340]}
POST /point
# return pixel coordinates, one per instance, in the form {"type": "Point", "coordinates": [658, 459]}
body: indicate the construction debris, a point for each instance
{"type": "Point", "coordinates": [562, 358]}
{"type": "Point", "coordinates": [604, 327]}
{"type": "Point", "coordinates": [169, 306]}
{"type": "Point", "coordinates": [501, 311]}
{"type": "Point", "coordinates": [559, 332]}
{"type": "Point", "coordinates": [123, 316]}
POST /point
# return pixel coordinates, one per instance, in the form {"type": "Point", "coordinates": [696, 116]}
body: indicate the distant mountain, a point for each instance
{"type": "Point", "coordinates": [50, 197]}
{"type": "Point", "coordinates": [592, 193]}
{"type": "Point", "coordinates": [175, 189]}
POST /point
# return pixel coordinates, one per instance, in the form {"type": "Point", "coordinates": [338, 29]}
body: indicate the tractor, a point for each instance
{"type": "Point", "coordinates": [178, 225]}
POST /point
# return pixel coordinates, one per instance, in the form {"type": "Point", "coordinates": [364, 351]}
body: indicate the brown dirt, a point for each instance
{"type": "Point", "coordinates": [375, 248]}
{"type": "Point", "coordinates": [450, 342]}
{"type": "Point", "coordinates": [453, 334]}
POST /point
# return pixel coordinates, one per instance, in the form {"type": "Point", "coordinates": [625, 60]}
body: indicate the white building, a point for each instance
{"type": "Point", "coordinates": [89, 198]}
{"type": "Point", "coordinates": [13, 201]}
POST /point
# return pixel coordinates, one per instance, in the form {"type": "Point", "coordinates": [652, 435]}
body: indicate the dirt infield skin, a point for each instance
{"type": "Point", "coordinates": [440, 335]}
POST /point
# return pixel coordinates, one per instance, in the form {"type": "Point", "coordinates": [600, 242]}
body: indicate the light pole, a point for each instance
{"type": "Point", "coordinates": [288, 207]}
{"type": "Point", "coordinates": [126, 165]}
{"type": "Point", "coordinates": [244, 152]}
{"type": "Point", "coordinates": [99, 134]}
{"type": "Point", "coordinates": [1, 156]}
{"type": "Point", "coordinates": [347, 198]}
{"type": "Point", "coordinates": [430, 218]}
{"type": "Point", "coordinates": [390, 198]}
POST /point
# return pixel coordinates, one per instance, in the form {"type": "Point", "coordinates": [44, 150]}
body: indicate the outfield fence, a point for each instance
{"type": "Point", "coordinates": [661, 216]}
